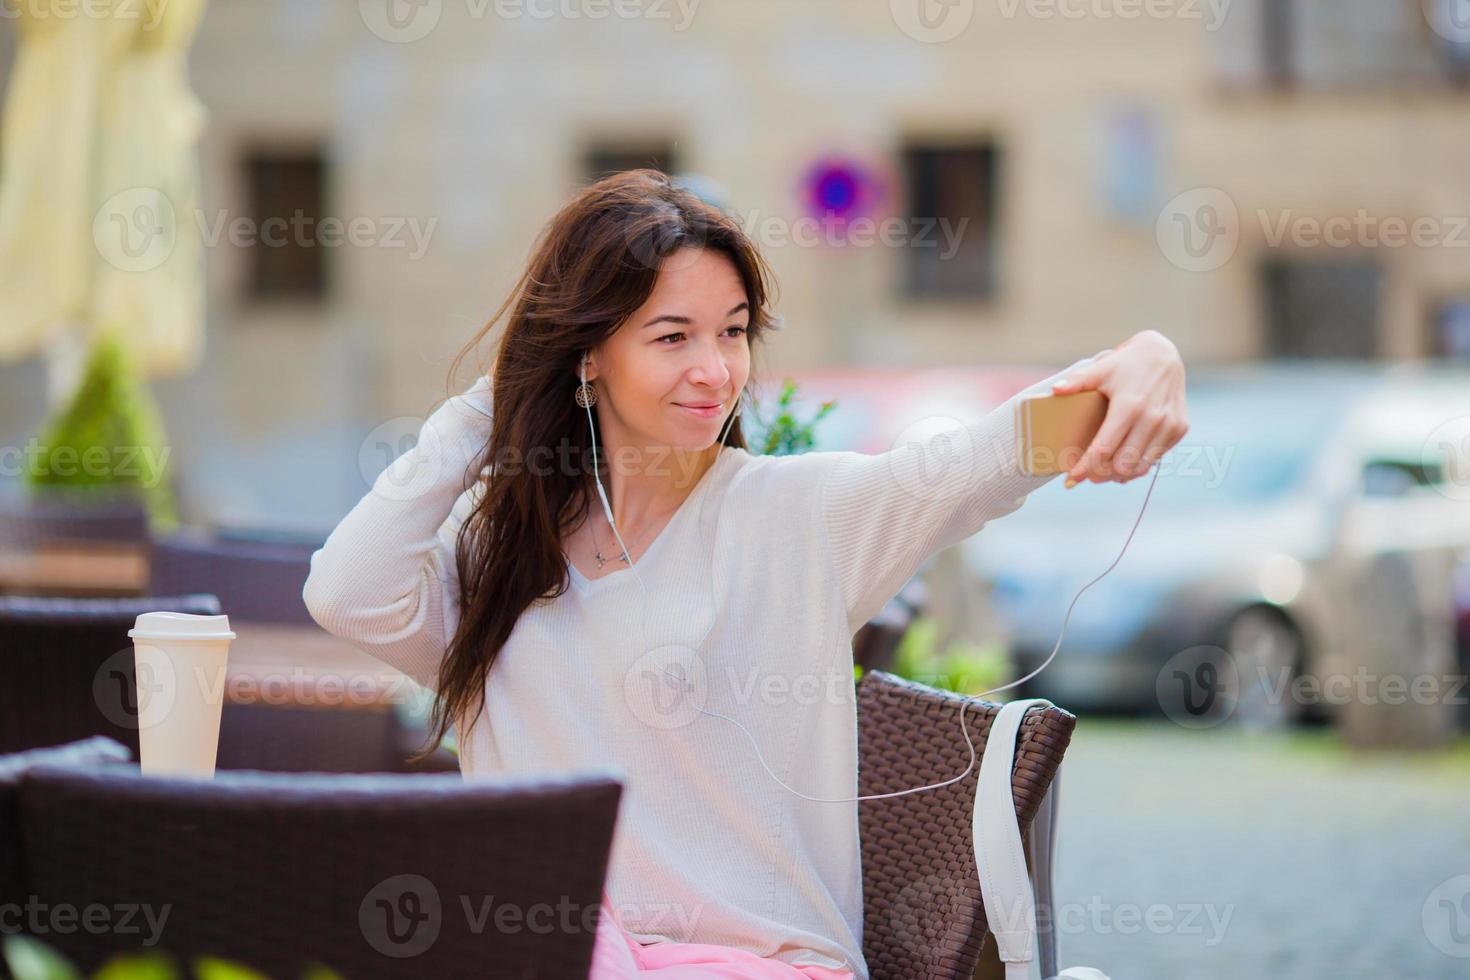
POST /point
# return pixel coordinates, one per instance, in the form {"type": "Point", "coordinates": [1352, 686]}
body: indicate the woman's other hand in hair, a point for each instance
{"type": "Point", "coordinates": [1143, 379]}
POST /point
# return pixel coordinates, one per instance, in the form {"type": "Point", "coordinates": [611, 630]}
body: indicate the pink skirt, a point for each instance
{"type": "Point", "coordinates": [618, 956]}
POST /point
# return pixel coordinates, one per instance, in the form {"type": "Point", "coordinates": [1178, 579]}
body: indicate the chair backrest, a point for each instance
{"type": "Point", "coordinates": [923, 915]}
{"type": "Point", "coordinates": [98, 749]}
{"type": "Point", "coordinates": [312, 738]}
{"type": "Point", "coordinates": [255, 581]}
{"type": "Point", "coordinates": [66, 667]}
{"type": "Point", "coordinates": [374, 876]}
{"type": "Point", "coordinates": [308, 541]}
{"type": "Point", "coordinates": [53, 516]}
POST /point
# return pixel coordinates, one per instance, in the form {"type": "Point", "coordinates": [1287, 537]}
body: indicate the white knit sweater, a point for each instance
{"type": "Point", "coordinates": [768, 568]}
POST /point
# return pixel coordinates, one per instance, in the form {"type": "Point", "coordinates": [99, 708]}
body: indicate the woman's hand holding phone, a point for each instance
{"type": "Point", "coordinates": [1143, 379]}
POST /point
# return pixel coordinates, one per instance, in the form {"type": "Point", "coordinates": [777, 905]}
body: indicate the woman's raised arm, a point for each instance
{"type": "Point", "coordinates": [386, 579]}
{"type": "Point", "coordinates": [884, 514]}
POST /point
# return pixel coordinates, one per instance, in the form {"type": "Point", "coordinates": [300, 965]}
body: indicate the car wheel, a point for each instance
{"type": "Point", "coordinates": [1267, 653]}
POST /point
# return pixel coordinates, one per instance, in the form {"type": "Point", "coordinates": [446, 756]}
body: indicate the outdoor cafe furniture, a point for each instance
{"type": "Point", "coordinates": [62, 542]}
{"type": "Point", "coordinates": [371, 875]}
{"type": "Point", "coordinates": [923, 913]}
{"type": "Point", "coordinates": [89, 751]}
{"type": "Point", "coordinates": [300, 699]}
{"type": "Point", "coordinates": [66, 667]}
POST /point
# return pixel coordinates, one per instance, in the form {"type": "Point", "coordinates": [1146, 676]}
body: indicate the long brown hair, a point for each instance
{"type": "Point", "coordinates": [594, 264]}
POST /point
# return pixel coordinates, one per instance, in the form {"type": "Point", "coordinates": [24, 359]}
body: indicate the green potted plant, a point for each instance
{"type": "Point", "coordinates": [964, 668]}
{"type": "Point", "coordinates": [28, 958]}
{"type": "Point", "coordinates": [108, 440]}
{"type": "Point", "coordinates": [786, 435]}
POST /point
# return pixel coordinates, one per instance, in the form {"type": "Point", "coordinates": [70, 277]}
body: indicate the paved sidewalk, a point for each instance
{"type": "Point", "coordinates": [1217, 854]}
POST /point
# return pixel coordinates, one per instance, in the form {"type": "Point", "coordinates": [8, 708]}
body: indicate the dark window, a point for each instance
{"type": "Point", "coordinates": [1348, 44]}
{"type": "Point", "coordinates": [605, 158]}
{"type": "Point", "coordinates": [1322, 309]}
{"type": "Point", "coordinates": [951, 240]}
{"type": "Point", "coordinates": [286, 257]}
{"type": "Point", "coordinates": [1278, 32]}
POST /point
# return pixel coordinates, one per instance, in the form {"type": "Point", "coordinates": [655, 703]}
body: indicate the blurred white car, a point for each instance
{"type": "Point", "coordinates": [1308, 524]}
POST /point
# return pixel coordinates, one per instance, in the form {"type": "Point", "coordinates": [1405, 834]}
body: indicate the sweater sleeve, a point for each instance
{"type": "Point", "coordinates": [885, 514]}
{"type": "Point", "coordinates": [385, 579]}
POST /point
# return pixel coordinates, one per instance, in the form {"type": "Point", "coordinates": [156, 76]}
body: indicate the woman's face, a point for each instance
{"type": "Point", "coordinates": [684, 350]}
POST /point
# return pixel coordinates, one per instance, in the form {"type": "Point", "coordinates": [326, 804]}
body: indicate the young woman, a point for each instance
{"type": "Point", "coordinates": [700, 639]}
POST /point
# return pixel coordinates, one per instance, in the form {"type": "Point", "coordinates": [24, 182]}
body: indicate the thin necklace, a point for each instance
{"type": "Point", "coordinates": [597, 547]}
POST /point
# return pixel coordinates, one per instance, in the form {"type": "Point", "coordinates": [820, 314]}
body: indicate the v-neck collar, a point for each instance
{"type": "Point", "coordinates": [586, 586]}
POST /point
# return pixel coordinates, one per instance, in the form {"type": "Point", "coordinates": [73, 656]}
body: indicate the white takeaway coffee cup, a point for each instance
{"type": "Point", "coordinates": [180, 661]}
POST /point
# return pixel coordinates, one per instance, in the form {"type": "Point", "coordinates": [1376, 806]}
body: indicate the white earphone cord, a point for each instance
{"type": "Point", "coordinates": [964, 729]}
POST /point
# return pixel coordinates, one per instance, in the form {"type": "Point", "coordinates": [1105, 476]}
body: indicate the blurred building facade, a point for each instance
{"type": "Point", "coordinates": [1041, 178]}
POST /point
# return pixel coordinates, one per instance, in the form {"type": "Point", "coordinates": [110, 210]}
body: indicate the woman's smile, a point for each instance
{"type": "Point", "coordinates": [704, 410]}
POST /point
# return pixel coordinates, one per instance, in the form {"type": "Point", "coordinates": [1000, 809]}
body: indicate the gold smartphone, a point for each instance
{"type": "Point", "coordinates": [1053, 431]}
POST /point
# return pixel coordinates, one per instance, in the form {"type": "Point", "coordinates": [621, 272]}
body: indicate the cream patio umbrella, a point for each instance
{"type": "Point", "coordinates": [99, 187]}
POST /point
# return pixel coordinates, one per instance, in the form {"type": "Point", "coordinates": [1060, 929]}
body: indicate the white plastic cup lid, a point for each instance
{"type": "Point", "coordinates": [181, 626]}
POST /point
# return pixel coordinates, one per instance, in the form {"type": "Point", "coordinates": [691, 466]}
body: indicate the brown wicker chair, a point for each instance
{"type": "Point", "coordinates": [66, 667]}
{"type": "Point", "coordinates": [370, 875]}
{"type": "Point", "coordinates": [923, 917]}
